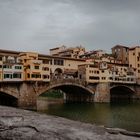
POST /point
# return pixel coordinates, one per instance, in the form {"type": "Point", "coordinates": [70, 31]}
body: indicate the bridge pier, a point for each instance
{"type": "Point", "coordinates": [102, 93]}
{"type": "Point", "coordinates": [137, 93]}
{"type": "Point", "coordinates": [27, 96]}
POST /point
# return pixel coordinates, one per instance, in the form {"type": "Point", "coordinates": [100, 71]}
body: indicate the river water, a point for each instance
{"type": "Point", "coordinates": [121, 115]}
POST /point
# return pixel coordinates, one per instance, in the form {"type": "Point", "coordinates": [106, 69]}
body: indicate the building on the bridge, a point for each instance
{"type": "Point", "coordinates": [72, 52]}
{"type": "Point", "coordinates": [10, 67]}
{"type": "Point", "coordinates": [61, 66]}
{"type": "Point", "coordinates": [34, 69]}
{"type": "Point", "coordinates": [91, 73]}
{"type": "Point", "coordinates": [121, 54]}
{"type": "Point", "coordinates": [105, 72]}
{"type": "Point", "coordinates": [95, 66]}
{"type": "Point", "coordinates": [12, 72]}
{"type": "Point", "coordinates": [134, 60]}
{"type": "Point", "coordinates": [122, 73]}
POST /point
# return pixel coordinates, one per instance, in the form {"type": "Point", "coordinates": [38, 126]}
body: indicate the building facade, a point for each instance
{"type": "Point", "coordinates": [57, 50]}
{"type": "Point", "coordinates": [134, 60]}
{"type": "Point", "coordinates": [30, 66]}
{"type": "Point", "coordinates": [71, 52]}
{"type": "Point", "coordinates": [121, 54]}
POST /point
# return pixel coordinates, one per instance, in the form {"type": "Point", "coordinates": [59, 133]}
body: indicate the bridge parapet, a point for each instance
{"type": "Point", "coordinates": [65, 81]}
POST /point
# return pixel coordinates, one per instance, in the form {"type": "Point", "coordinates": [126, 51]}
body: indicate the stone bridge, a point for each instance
{"type": "Point", "coordinates": [25, 94]}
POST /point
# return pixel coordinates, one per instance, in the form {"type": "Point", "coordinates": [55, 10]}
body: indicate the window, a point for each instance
{"type": "Point", "coordinates": [18, 67]}
{"type": "Point", "coordinates": [94, 78]}
{"type": "Point", "coordinates": [133, 53]}
{"type": "Point", "coordinates": [36, 67]}
{"type": "Point", "coordinates": [9, 76]}
{"type": "Point", "coordinates": [103, 78]}
{"type": "Point", "coordinates": [51, 62]}
{"type": "Point", "coordinates": [91, 66]}
{"type": "Point", "coordinates": [17, 75]}
{"type": "Point", "coordinates": [28, 75]}
{"type": "Point", "coordinates": [46, 76]}
{"type": "Point", "coordinates": [138, 59]}
{"type": "Point", "coordinates": [132, 79]}
{"type": "Point", "coordinates": [45, 61]}
{"type": "Point", "coordinates": [45, 68]}
{"type": "Point", "coordinates": [110, 78]}
{"type": "Point", "coordinates": [36, 76]}
{"type": "Point", "coordinates": [102, 71]}
{"type": "Point", "coordinates": [59, 62]}
{"type": "Point", "coordinates": [7, 66]}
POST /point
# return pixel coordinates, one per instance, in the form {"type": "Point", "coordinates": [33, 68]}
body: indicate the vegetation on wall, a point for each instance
{"type": "Point", "coordinates": [53, 94]}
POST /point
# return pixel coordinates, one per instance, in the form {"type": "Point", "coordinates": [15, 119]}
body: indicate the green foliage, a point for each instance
{"type": "Point", "coordinates": [53, 94]}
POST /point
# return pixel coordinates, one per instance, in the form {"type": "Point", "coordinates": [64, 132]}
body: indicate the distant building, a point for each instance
{"type": "Point", "coordinates": [93, 54]}
{"type": "Point", "coordinates": [95, 66]}
{"type": "Point", "coordinates": [55, 51]}
{"type": "Point", "coordinates": [121, 54]}
{"type": "Point", "coordinates": [72, 52]}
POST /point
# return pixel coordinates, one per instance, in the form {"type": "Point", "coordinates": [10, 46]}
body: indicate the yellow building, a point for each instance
{"type": "Point", "coordinates": [34, 69]}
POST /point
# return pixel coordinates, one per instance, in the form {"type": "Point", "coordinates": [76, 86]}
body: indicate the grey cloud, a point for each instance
{"type": "Point", "coordinates": [38, 25]}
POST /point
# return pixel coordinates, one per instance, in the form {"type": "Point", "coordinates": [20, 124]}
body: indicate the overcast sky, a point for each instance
{"type": "Point", "coordinates": [38, 25]}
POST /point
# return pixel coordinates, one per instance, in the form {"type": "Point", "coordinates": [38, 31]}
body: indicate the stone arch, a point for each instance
{"type": "Point", "coordinates": [8, 99]}
{"type": "Point", "coordinates": [58, 71]}
{"type": "Point", "coordinates": [10, 92]}
{"type": "Point", "coordinates": [73, 91]}
{"type": "Point", "coordinates": [121, 93]}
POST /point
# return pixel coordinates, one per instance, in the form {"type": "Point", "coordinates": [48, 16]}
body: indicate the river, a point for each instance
{"type": "Point", "coordinates": [121, 115]}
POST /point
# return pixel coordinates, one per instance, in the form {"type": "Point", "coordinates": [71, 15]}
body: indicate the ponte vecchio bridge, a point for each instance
{"type": "Point", "coordinates": [25, 94]}
{"type": "Point", "coordinates": [25, 75]}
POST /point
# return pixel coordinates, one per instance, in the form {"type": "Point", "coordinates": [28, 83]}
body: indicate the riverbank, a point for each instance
{"type": "Point", "coordinates": [22, 124]}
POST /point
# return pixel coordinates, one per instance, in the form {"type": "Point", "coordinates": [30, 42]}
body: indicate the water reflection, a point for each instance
{"type": "Point", "coordinates": [122, 115]}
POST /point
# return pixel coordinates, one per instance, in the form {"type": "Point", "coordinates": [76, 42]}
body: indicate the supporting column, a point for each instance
{"type": "Point", "coordinates": [27, 96]}
{"type": "Point", "coordinates": [136, 96]}
{"type": "Point", "coordinates": [102, 93]}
